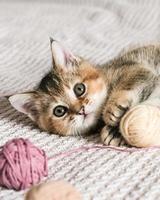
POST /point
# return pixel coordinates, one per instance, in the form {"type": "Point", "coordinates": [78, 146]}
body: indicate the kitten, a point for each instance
{"type": "Point", "coordinates": [72, 98]}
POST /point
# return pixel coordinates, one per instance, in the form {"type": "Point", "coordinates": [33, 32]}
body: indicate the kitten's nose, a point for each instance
{"type": "Point", "coordinates": [82, 111]}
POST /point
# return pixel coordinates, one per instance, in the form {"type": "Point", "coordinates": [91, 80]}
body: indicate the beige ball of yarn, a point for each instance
{"type": "Point", "coordinates": [140, 126]}
{"type": "Point", "coordinates": [54, 190]}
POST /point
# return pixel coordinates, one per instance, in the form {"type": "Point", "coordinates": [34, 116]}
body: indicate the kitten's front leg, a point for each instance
{"type": "Point", "coordinates": [134, 86]}
{"type": "Point", "coordinates": [116, 106]}
{"type": "Point", "coordinates": [111, 136]}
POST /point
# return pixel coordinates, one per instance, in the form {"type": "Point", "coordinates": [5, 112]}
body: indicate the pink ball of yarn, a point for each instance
{"type": "Point", "coordinates": [21, 164]}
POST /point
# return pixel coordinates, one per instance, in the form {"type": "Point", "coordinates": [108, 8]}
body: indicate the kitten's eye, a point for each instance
{"type": "Point", "coordinates": [79, 89]}
{"type": "Point", "coordinates": [59, 111]}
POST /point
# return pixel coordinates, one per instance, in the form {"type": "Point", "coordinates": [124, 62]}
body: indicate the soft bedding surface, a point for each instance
{"type": "Point", "coordinates": [97, 30]}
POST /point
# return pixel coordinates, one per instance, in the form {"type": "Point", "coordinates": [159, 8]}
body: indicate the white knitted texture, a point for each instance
{"type": "Point", "coordinates": [97, 30]}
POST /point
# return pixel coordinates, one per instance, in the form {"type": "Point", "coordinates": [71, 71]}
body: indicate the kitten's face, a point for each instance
{"type": "Point", "coordinates": [69, 100]}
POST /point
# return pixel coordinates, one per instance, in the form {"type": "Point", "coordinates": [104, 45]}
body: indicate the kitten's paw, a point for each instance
{"type": "Point", "coordinates": [114, 111]}
{"type": "Point", "coordinates": [111, 136]}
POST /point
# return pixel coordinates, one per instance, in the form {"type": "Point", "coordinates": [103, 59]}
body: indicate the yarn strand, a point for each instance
{"type": "Point", "coordinates": [99, 146]}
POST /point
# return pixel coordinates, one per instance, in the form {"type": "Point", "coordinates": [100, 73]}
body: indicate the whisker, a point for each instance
{"type": "Point", "coordinates": [76, 132]}
{"type": "Point", "coordinates": [73, 128]}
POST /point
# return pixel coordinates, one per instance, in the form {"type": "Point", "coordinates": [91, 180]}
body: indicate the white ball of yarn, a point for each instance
{"type": "Point", "coordinates": [140, 126]}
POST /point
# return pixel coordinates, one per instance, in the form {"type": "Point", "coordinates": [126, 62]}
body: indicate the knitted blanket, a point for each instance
{"type": "Point", "coordinates": [97, 30]}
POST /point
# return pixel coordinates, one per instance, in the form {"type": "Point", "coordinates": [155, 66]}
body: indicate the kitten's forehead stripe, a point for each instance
{"type": "Point", "coordinates": [91, 76]}
{"type": "Point", "coordinates": [51, 83]}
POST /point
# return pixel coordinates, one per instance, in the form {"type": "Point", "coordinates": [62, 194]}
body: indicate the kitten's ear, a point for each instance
{"type": "Point", "coordinates": [24, 103]}
{"type": "Point", "coordinates": [62, 57]}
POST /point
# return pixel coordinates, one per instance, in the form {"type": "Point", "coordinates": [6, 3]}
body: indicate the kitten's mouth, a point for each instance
{"type": "Point", "coordinates": [83, 113]}
{"type": "Point", "coordinates": [85, 116]}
